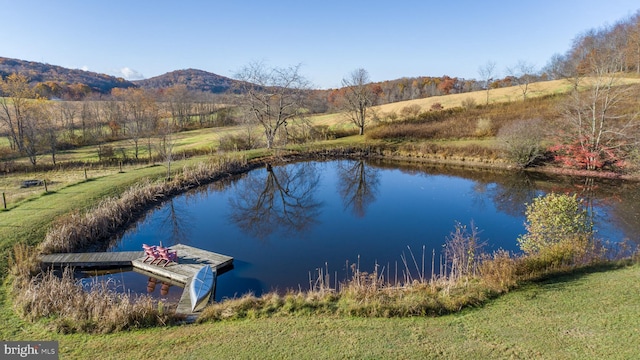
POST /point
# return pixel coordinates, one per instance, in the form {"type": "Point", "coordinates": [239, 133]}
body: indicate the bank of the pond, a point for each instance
{"type": "Point", "coordinates": [129, 207]}
{"type": "Point", "coordinates": [497, 164]}
{"type": "Point", "coordinates": [559, 318]}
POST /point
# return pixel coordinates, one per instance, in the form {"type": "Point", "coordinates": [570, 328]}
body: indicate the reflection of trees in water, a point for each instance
{"type": "Point", "coordinates": [358, 185]}
{"type": "Point", "coordinates": [607, 201]}
{"type": "Point", "coordinates": [283, 200]}
{"type": "Point", "coordinates": [177, 221]}
{"type": "Point", "coordinates": [171, 217]}
{"type": "Point", "coordinates": [625, 214]}
{"type": "Point", "coordinates": [621, 204]}
{"type": "Point", "coordinates": [617, 202]}
{"type": "Point", "coordinates": [509, 194]}
{"type": "Point", "coordinates": [512, 193]}
{"type": "Point", "coordinates": [177, 218]}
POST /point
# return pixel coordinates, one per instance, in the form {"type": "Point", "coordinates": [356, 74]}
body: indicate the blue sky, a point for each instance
{"type": "Point", "coordinates": [390, 39]}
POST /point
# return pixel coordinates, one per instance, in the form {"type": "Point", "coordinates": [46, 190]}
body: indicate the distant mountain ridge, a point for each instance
{"type": "Point", "coordinates": [193, 79]}
{"type": "Point", "coordinates": [42, 73]}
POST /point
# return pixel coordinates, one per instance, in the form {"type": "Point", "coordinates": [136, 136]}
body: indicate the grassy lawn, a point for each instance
{"type": "Point", "coordinates": [591, 315]}
{"type": "Point", "coordinates": [29, 217]}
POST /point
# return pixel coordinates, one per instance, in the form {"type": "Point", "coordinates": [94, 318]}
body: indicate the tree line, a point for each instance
{"type": "Point", "coordinates": [617, 44]}
{"type": "Point", "coordinates": [34, 126]}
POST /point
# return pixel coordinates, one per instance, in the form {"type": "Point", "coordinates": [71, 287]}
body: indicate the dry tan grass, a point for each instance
{"type": "Point", "coordinates": [372, 295]}
{"type": "Point", "coordinates": [501, 95]}
{"type": "Point", "coordinates": [46, 294]}
{"type": "Point", "coordinates": [74, 309]}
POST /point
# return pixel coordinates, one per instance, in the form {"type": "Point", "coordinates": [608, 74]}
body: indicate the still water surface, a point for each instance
{"type": "Point", "coordinates": [282, 225]}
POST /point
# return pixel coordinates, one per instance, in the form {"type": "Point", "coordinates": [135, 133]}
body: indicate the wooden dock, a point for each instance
{"type": "Point", "coordinates": [190, 260]}
{"type": "Point", "coordinates": [97, 260]}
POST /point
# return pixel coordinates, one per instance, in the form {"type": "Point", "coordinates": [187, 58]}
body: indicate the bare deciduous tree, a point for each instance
{"type": "Point", "coordinates": [632, 49]}
{"type": "Point", "coordinates": [358, 97]}
{"type": "Point", "coordinates": [166, 143]}
{"type": "Point", "coordinates": [67, 113]}
{"type": "Point", "coordinates": [14, 108]}
{"type": "Point", "coordinates": [487, 73]}
{"type": "Point", "coordinates": [52, 116]}
{"type": "Point", "coordinates": [141, 115]}
{"type": "Point", "coordinates": [272, 96]}
{"type": "Point", "coordinates": [523, 74]}
{"type": "Point", "coordinates": [597, 128]}
{"type": "Point", "coordinates": [34, 123]}
{"type": "Point", "coordinates": [180, 104]}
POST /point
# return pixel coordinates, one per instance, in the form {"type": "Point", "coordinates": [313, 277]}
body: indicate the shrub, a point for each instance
{"type": "Point", "coordinates": [392, 116]}
{"type": "Point", "coordinates": [469, 103]}
{"type": "Point", "coordinates": [571, 251]}
{"type": "Point", "coordinates": [582, 155]}
{"type": "Point", "coordinates": [436, 106]}
{"type": "Point", "coordinates": [224, 117]}
{"type": "Point", "coordinates": [236, 142]}
{"type": "Point", "coordinates": [499, 271]}
{"type": "Point", "coordinates": [410, 111]}
{"type": "Point", "coordinates": [553, 222]}
{"type": "Point", "coordinates": [521, 141]}
{"type": "Point", "coordinates": [484, 127]}
{"type": "Point", "coordinates": [105, 152]}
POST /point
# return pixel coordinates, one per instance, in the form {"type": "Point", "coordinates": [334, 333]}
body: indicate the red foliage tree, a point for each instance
{"type": "Point", "coordinates": [582, 156]}
{"type": "Point", "coordinates": [447, 84]}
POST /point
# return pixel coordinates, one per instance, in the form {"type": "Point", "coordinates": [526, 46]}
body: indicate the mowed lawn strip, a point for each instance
{"type": "Point", "coordinates": [29, 220]}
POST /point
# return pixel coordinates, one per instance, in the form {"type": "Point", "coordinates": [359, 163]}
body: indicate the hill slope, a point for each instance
{"type": "Point", "coordinates": [42, 73]}
{"type": "Point", "coordinates": [60, 77]}
{"type": "Point", "coordinates": [193, 79]}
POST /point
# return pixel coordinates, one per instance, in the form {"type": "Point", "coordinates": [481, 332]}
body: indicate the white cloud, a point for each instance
{"type": "Point", "coordinates": [84, 68]}
{"type": "Point", "coordinates": [130, 74]}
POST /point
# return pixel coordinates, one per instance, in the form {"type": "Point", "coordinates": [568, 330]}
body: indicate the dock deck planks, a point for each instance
{"type": "Point", "coordinates": [92, 259]}
{"type": "Point", "coordinates": [190, 260]}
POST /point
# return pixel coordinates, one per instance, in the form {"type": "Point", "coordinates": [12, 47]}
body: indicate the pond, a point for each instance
{"type": "Point", "coordinates": [284, 225]}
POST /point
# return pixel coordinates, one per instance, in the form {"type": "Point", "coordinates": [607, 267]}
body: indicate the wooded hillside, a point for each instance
{"type": "Point", "coordinates": [193, 79]}
{"type": "Point", "coordinates": [60, 82]}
